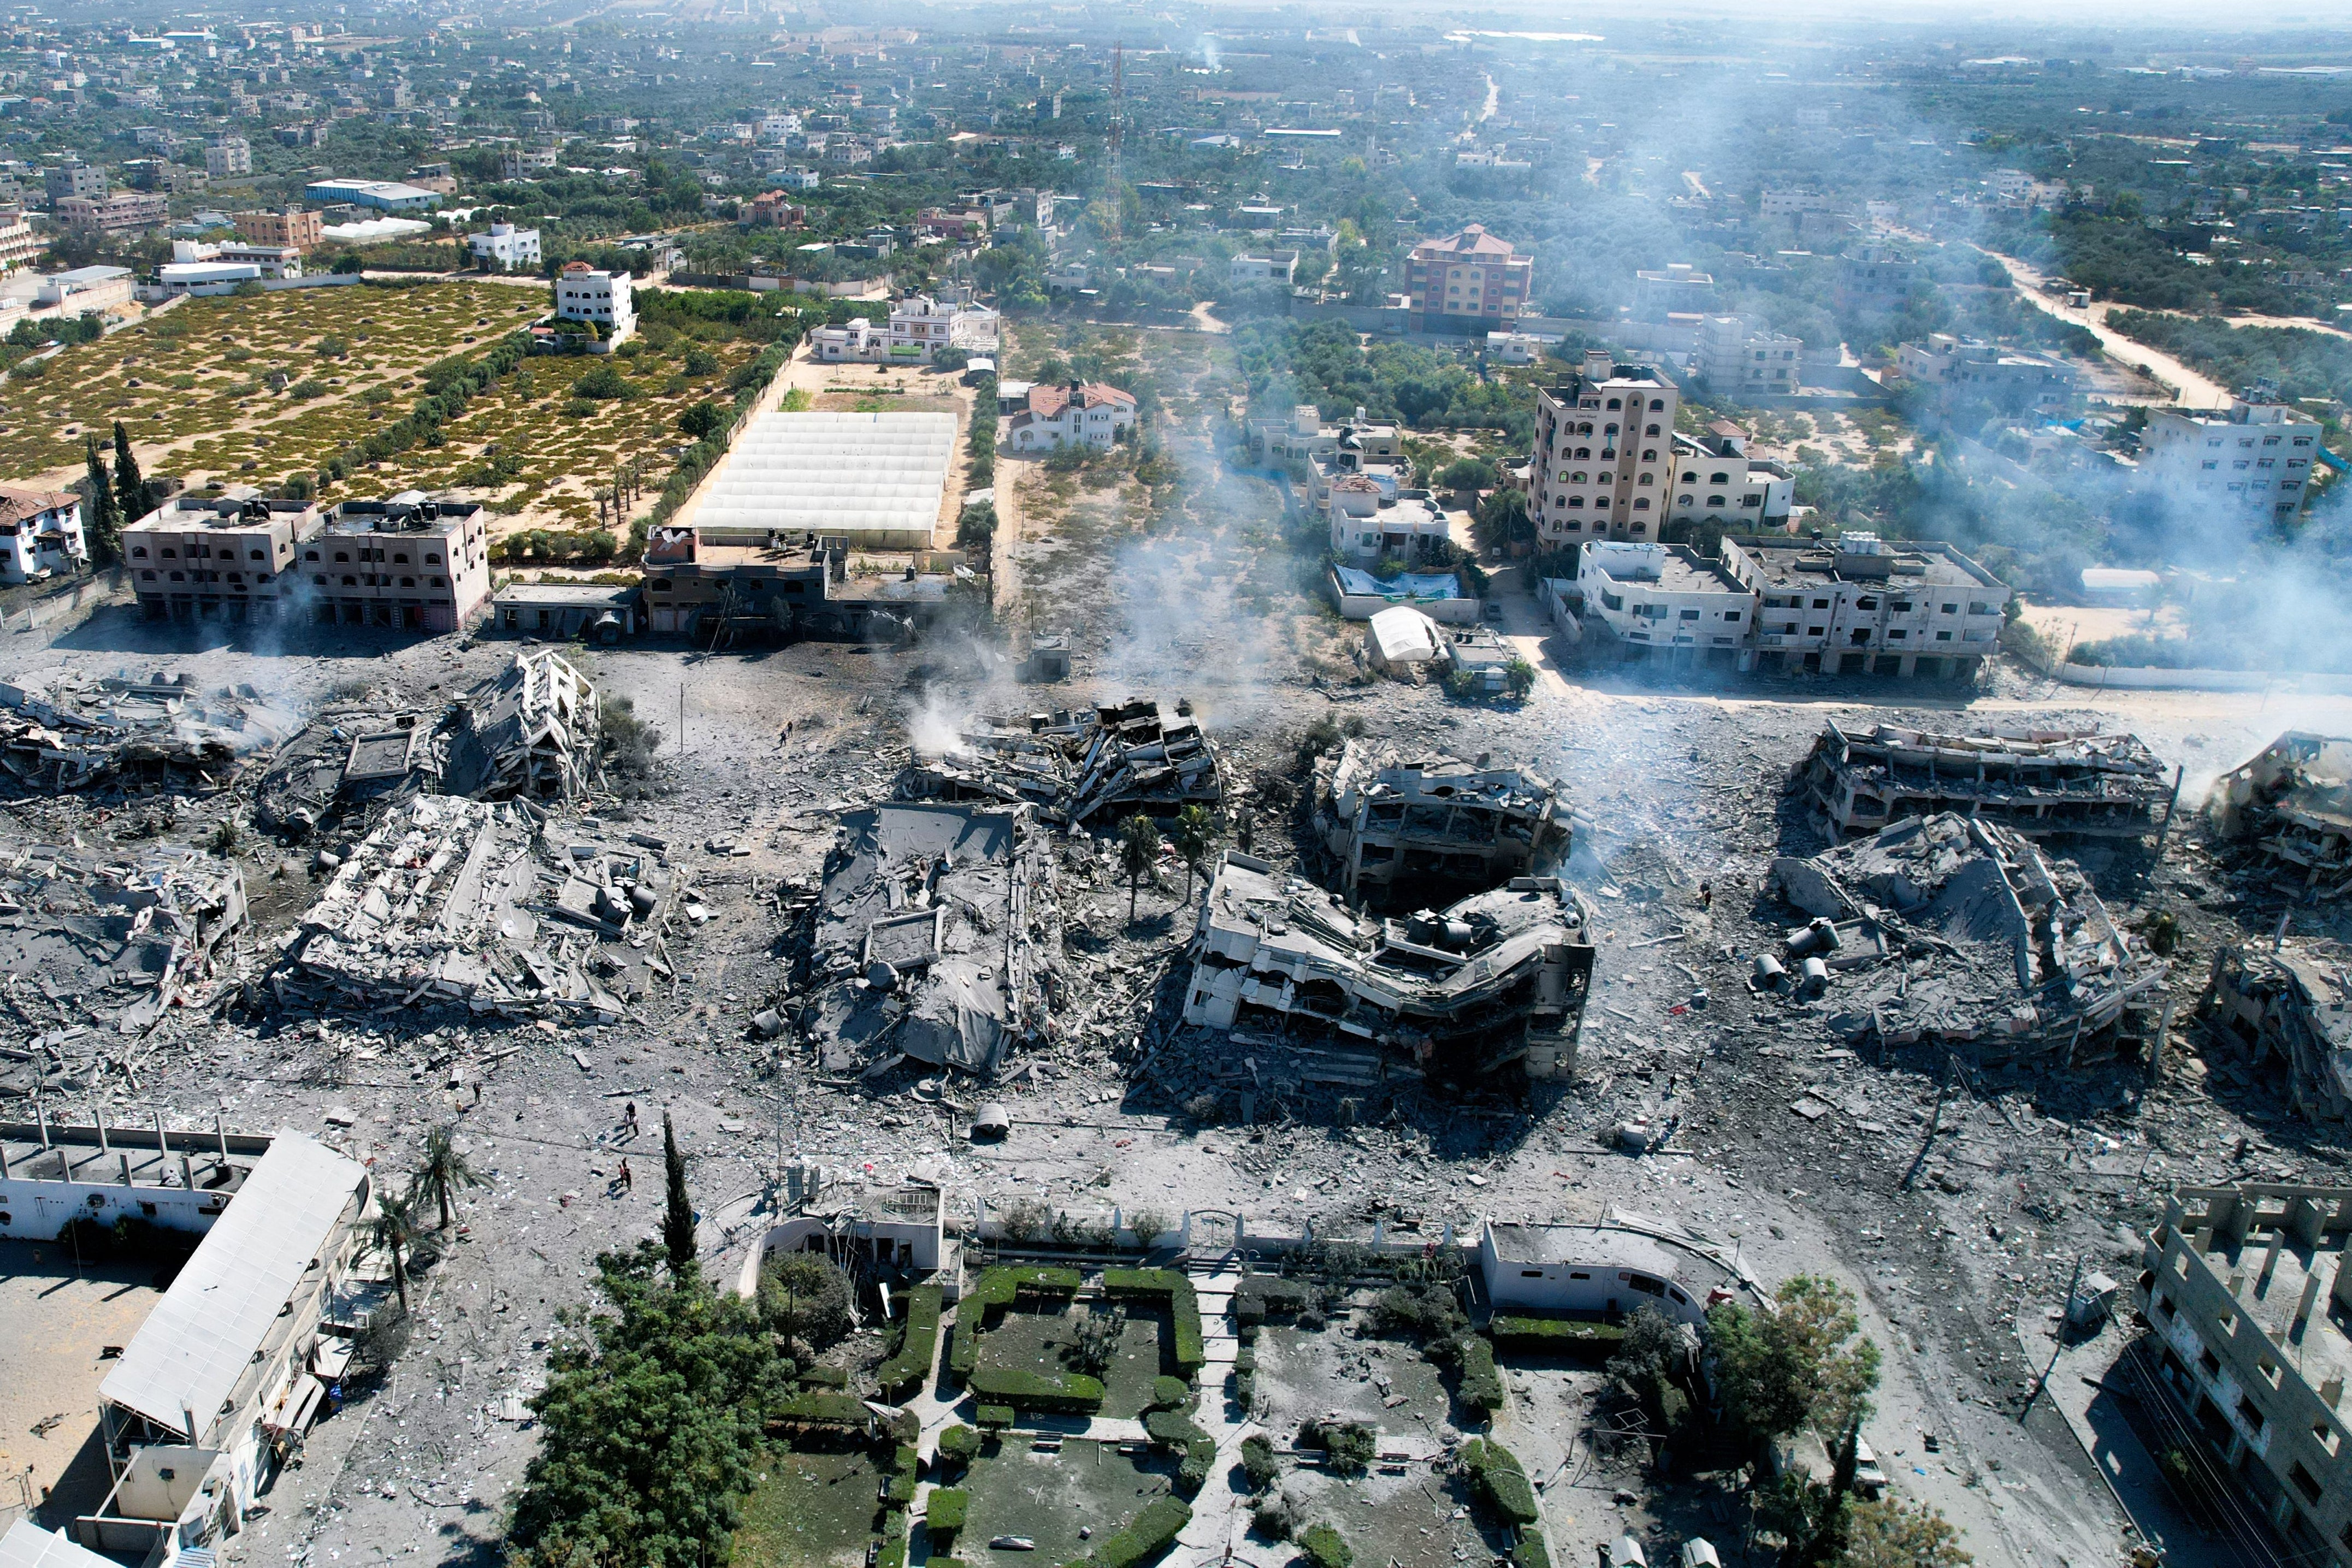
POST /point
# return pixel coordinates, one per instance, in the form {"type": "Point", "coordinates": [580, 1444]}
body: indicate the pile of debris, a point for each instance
{"type": "Point", "coordinates": [111, 944]}
{"type": "Point", "coordinates": [2037, 782]}
{"type": "Point", "coordinates": [347, 756]}
{"type": "Point", "coordinates": [1497, 979]}
{"type": "Point", "coordinates": [1433, 819]}
{"type": "Point", "coordinates": [932, 931]}
{"type": "Point", "coordinates": [469, 900]}
{"type": "Point", "coordinates": [529, 732]}
{"type": "Point", "coordinates": [1958, 930]}
{"type": "Point", "coordinates": [1078, 768]}
{"type": "Point", "coordinates": [2292, 803]}
{"type": "Point", "coordinates": [133, 732]}
{"type": "Point", "coordinates": [2290, 1003]}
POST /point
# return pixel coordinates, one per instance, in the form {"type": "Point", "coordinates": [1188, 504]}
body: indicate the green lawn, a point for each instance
{"type": "Point", "coordinates": [814, 1511]}
{"type": "Point", "coordinates": [1032, 1341]}
{"type": "Point", "coordinates": [1048, 1497]}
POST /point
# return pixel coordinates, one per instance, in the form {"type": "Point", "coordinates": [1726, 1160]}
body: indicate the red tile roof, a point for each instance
{"type": "Point", "coordinates": [1046, 402]}
{"type": "Point", "coordinates": [15, 505]}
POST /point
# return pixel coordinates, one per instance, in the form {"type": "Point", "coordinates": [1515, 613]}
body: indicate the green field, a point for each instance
{"type": "Point", "coordinates": [814, 1511]}
{"type": "Point", "coordinates": [1049, 1498]}
{"type": "Point", "coordinates": [1033, 1340]}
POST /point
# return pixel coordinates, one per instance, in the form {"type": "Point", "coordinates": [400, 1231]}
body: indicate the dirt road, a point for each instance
{"type": "Point", "coordinates": [2196, 391]}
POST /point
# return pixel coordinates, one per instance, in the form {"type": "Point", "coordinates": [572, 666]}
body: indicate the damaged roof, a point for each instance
{"type": "Point", "coordinates": [2036, 781]}
{"type": "Point", "coordinates": [75, 732]}
{"type": "Point", "coordinates": [531, 730]}
{"type": "Point", "coordinates": [1079, 767]}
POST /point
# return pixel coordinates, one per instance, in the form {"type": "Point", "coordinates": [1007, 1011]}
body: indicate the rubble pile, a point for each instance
{"type": "Point", "coordinates": [2037, 782]}
{"type": "Point", "coordinates": [84, 944]}
{"type": "Point", "coordinates": [2287, 1009]}
{"type": "Point", "coordinates": [1387, 818]}
{"type": "Point", "coordinates": [133, 732]}
{"type": "Point", "coordinates": [932, 931]}
{"type": "Point", "coordinates": [1497, 979]}
{"type": "Point", "coordinates": [529, 732]}
{"type": "Point", "coordinates": [345, 756]}
{"type": "Point", "coordinates": [1956, 930]}
{"type": "Point", "coordinates": [1090, 766]}
{"type": "Point", "coordinates": [469, 900]}
{"type": "Point", "coordinates": [2292, 805]}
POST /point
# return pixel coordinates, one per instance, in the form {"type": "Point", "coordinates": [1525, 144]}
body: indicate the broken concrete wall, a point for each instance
{"type": "Point", "coordinates": [2288, 1010]}
{"type": "Point", "coordinates": [2037, 782]}
{"type": "Point", "coordinates": [1079, 769]}
{"type": "Point", "coordinates": [133, 731]}
{"type": "Point", "coordinates": [2291, 805]}
{"type": "Point", "coordinates": [530, 733]}
{"type": "Point", "coordinates": [1393, 820]}
{"type": "Point", "coordinates": [348, 756]}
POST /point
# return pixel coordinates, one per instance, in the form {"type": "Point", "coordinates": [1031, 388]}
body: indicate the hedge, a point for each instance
{"type": "Point", "coordinates": [993, 1416]}
{"type": "Point", "coordinates": [1170, 1392]}
{"type": "Point", "coordinates": [1557, 1336]}
{"type": "Point", "coordinates": [1262, 1296]}
{"type": "Point", "coordinates": [1171, 1428]}
{"type": "Point", "coordinates": [996, 1288]}
{"type": "Point", "coordinates": [823, 1405]}
{"type": "Point", "coordinates": [1324, 1547]}
{"type": "Point", "coordinates": [1531, 1552]}
{"type": "Point", "coordinates": [1066, 1393]}
{"type": "Point", "coordinates": [1184, 1306]}
{"type": "Point", "coordinates": [963, 1346]}
{"type": "Point", "coordinates": [959, 1442]}
{"type": "Point", "coordinates": [1151, 1532]}
{"type": "Point", "coordinates": [1482, 1385]}
{"type": "Point", "coordinates": [902, 1375]}
{"type": "Point", "coordinates": [1501, 1485]}
{"type": "Point", "coordinates": [1200, 1458]}
{"type": "Point", "coordinates": [945, 1512]}
{"type": "Point", "coordinates": [825, 1376]}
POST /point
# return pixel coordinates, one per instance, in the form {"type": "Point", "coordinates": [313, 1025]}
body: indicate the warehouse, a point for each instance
{"type": "Point", "coordinates": [874, 480]}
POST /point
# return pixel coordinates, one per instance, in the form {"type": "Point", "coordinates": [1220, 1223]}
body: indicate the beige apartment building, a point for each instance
{"type": "Point", "coordinates": [411, 562]}
{"type": "Point", "coordinates": [1467, 282]}
{"type": "Point", "coordinates": [288, 226]}
{"type": "Point", "coordinates": [229, 558]}
{"type": "Point", "coordinates": [1605, 454]}
{"type": "Point", "coordinates": [2247, 1300]}
{"type": "Point", "coordinates": [2251, 461]}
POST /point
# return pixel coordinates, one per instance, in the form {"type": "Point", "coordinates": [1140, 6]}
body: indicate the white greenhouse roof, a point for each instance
{"type": "Point", "coordinates": [28, 1545]}
{"type": "Point", "coordinates": [875, 478]}
{"type": "Point", "coordinates": [201, 1336]}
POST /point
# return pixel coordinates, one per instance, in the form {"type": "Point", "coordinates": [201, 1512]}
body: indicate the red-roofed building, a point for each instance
{"type": "Point", "coordinates": [1081, 411]}
{"type": "Point", "coordinates": [1467, 282]}
{"type": "Point", "coordinates": [40, 533]}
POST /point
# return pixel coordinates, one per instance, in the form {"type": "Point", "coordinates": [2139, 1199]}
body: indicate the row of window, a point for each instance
{"type": "Point", "coordinates": [261, 578]}
{"type": "Point", "coordinates": [139, 552]}
{"type": "Point", "coordinates": [1600, 503]}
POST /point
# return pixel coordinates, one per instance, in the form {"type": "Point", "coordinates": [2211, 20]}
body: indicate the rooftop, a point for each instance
{"type": "Point", "coordinates": [875, 478]}
{"type": "Point", "coordinates": [1674, 569]}
{"type": "Point", "coordinates": [1782, 561]}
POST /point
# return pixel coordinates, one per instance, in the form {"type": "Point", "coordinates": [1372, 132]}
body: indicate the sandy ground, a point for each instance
{"type": "Point", "coordinates": [60, 1315]}
{"type": "Point", "coordinates": [2195, 390]}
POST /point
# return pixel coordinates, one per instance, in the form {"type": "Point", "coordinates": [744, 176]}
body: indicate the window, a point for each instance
{"type": "Point", "coordinates": [1688, 615]}
{"type": "Point", "coordinates": [310, 555]}
{"type": "Point", "coordinates": [2303, 1482]}
{"type": "Point", "coordinates": [139, 552]}
{"type": "Point", "coordinates": [170, 555]}
{"type": "Point", "coordinates": [1653, 429]}
{"type": "Point", "coordinates": [1531, 1273]}
{"type": "Point", "coordinates": [339, 555]}
{"type": "Point", "coordinates": [320, 578]}
{"type": "Point", "coordinates": [1719, 479]}
{"type": "Point", "coordinates": [258, 555]}
{"type": "Point", "coordinates": [400, 560]}
{"type": "Point", "coordinates": [1820, 604]}
{"type": "Point", "coordinates": [1578, 1274]}
{"type": "Point", "coordinates": [1950, 609]}
{"type": "Point", "coordinates": [1616, 402]}
{"type": "Point", "coordinates": [149, 574]}
{"type": "Point", "coordinates": [1715, 500]}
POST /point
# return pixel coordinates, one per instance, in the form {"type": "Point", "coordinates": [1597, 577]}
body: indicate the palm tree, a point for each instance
{"type": "Point", "coordinates": [443, 1172]}
{"type": "Point", "coordinates": [392, 1228]}
{"type": "Point", "coordinates": [1139, 852]}
{"type": "Point", "coordinates": [1195, 835]}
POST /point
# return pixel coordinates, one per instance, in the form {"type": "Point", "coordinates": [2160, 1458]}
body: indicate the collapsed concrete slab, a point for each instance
{"type": "Point", "coordinates": [114, 945]}
{"type": "Point", "coordinates": [932, 931]}
{"type": "Point", "coordinates": [1079, 767]}
{"type": "Point", "coordinates": [529, 732]}
{"type": "Point", "coordinates": [1431, 819]}
{"type": "Point", "coordinates": [2037, 782]}
{"type": "Point", "coordinates": [1497, 980]}
{"type": "Point", "coordinates": [2287, 1009]}
{"type": "Point", "coordinates": [469, 901]}
{"type": "Point", "coordinates": [2022, 962]}
{"type": "Point", "coordinates": [2291, 805]}
{"type": "Point", "coordinates": [345, 756]}
{"type": "Point", "coordinates": [133, 732]}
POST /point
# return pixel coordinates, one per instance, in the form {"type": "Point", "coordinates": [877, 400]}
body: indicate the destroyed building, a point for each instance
{"type": "Point", "coordinates": [1497, 980]}
{"type": "Point", "coordinates": [347, 756]}
{"type": "Point", "coordinates": [474, 902]}
{"type": "Point", "coordinates": [1957, 930]}
{"type": "Point", "coordinates": [2286, 1008]}
{"type": "Point", "coordinates": [133, 732]}
{"type": "Point", "coordinates": [2037, 782]}
{"type": "Point", "coordinates": [1082, 768]}
{"type": "Point", "coordinates": [931, 937]}
{"type": "Point", "coordinates": [2291, 804]}
{"type": "Point", "coordinates": [1434, 820]}
{"type": "Point", "coordinates": [531, 732]}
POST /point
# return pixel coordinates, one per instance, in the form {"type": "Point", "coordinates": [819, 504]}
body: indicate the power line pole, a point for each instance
{"type": "Point", "coordinates": [2065, 1312]}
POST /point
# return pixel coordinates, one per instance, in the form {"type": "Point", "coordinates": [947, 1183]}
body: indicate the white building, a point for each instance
{"type": "Point", "coordinates": [1370, 520]}
{"type": "Point", "coordinates": [1858, 605]}
{"type": "Point", "coordinates": [2252, 461]}
{"type": "Point", "coordinates": [1521, 347]}
{"type": "Point", "coordinates": [40, 533]}
{"type": "Point", "coordinates": [19, 245]}
{"type": "Point", "coordinates": [1665, 597]}
{"type": "Point", "coordinates": [585, 293]}
{"type": "Point", "coordinates": [226, 156]}
{"type": "Point", "coordinates": [1274, 266]}
{"type": "Point", "coordinates": [1715, 480]}
{"type": "Point", "coordinates": [513, 249]}
{"type": "Point", "coordinates": [200, 268]}
{"type": "Point", "coordinates": [1605, 460]}
{"type": "Point", "coordinates": [1969, 369]}
{"type": "Point", "coordinates": [1085, 412]}
{"type": "Point", "coordinates": [918, 328]}
{"type": "Point", "coordinates": [1738, 358]}
{"type": "Point", "coordinates": [1603, 1270]}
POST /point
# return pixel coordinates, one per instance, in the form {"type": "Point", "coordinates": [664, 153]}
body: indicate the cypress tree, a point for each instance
{"type": "Point", "coordinates": [677, 1214]}
{"type": "Point", "coordinates": [129, 489]}
{"type": "Point", "coordinates": [101, 525]}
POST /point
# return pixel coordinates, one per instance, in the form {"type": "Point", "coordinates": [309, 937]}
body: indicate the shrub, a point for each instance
{"type": "Point", "coordinates": [604, 385]}
{"type": "Point", "coordinates": [1429, 1311]}
{"type": "Point", "coordinates": [946, 1510]}
{"type": "Point", "coordinates": [1348, 1446]}
{"type": "Point", "coordinates": [902, 1375]}
{"type": "Point", "coordinates": [1171, 1428]}
{"type": "Point", "coordinates": [1066, 1393]}
{"type": "Point", "coordinates": [1258, 1462]}
{"type": "Point", "coordinates": [1499, 1483]}
{"type": "Point", "coordinates": [703, 420]}
{"type": "Point", "coordinates": [1261, 1297]}
{"type": "Point", "coordinates": [825, 1408]}
{"type": "Point", "coordinates": [1200, 1458]}
{"type": "Point", "coordinates": [1171, 1393]}
{"type": "Point", "coordinates": [306, 389]}
{"type": "Point", "coordinates": [1531, 1552]}
{"type": "Point", "coordinates": [1273, 1517]}
{"type": "Point", "coordinates": [959, 1443]}
{"type": "Point", "coordinates": [1151, 1532]}
{"type": "Point", "coordinates": [1183, 1307]}
{"type": "Point", "coordinates": [1482, 1385]}
{"type": "Point", "coordinates": [993, 1418]}
{"type": "Point", "coordinates": [1324, 1548]}
{"type": "Point", "coordinates": [1557, 1336]}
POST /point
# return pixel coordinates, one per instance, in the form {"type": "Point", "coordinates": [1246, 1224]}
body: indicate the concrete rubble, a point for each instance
{"type": "Point", "coordinates": [473, 903]}
{"type": "Point", "coordinates": [1389, 818]}
{"type": "Point", "coordinates": [2037, 782]}
{"type": "Point", "coordinates": [347, 756]}
{"type": "Point", "coordinates": [1965, 936]}
{"type": "Point", "coordinates": [532, 731]}
{"type": "Point", "coordinates": [2285, 1010]}
{"type": "Point", "coordinates": [930, 939]}
{"type": "Point", "coordinates": [1079, 767]}
{"type": "Point", "coordinates": [1496, 980]}
{"type": "Point", "coordinates": [133, 732]}
{"type": "Point", "coordinates": [2291, 806]}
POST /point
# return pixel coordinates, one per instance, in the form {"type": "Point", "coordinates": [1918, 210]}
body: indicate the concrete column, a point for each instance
{"type": "Point", "coordinates": [2270, 1261]}
{"type": "Point", "coordinates": [2340, 1289]}
{"type": "Point", "coordinates": [1907, 665]}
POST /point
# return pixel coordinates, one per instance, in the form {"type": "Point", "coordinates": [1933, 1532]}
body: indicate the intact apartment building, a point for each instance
{"type": "Point", "coordinates": [124, 212]}
{"type": "Point", "coordinates": [1467, 282]}
{"type": "Point", "coordinates": [2250, 461]}
{"type": "Point", "coordinates": [585, 293]}
{"type": "Point", "coordinates": [226, 156]}
{"type": "Point", "coordinates": [409, 563]}
{"type": "Point", "coordinates": [294, 226]}
{"type": "Point", "coordinates": [507, 247]}
{"type": "Point", "coordinates": [918, 328]}
{"type": "Point", "coordinates": [1604, 461]}
{"type": "Point", "coordinates": [229, 558]}
{"type": "Point", "coordinates": [1370, 520]}
{"type": "Point", "coordinates": [2248, 1299]}
{"type": "Point", "coordinates": [40, 534]}
{"type": "Point", "coordinates": [1737, 359]}
{"type": "Point", "coordinates": [1715, 480]}
{"type": "Point", "coordinates": [1859, 605]}
{"type": "Point", "coordinates": [1969, 369]}
{"type": "Point", "coordinates": [19, 245]}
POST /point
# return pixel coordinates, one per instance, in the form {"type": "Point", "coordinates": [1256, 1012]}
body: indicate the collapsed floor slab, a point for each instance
{"type": "Point", "coordinates": [2288, 1008]}
{"type": "Point", "coordinates": [1975, 939]}
{"type": "Point", "coordinates": [133, 731]}
{"type": "Point", "coordinates": [2290, 805]}
{"type": "Point", "coordinates": [532, 731]}
{"type": "Point", "coordinates": [1496, 980]}
{"type": "Point", "coordinates": [2037, 782]}
{"type": "Point", "coordinates": [1389, 818]}
{"type": "Point", "coordinates": [347, 756]}
{"type": "Point", "coordinates": [932, 932]}
{"type": "Point", "coordinates": [1078, 768]}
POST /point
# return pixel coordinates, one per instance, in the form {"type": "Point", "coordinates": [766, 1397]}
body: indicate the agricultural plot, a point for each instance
{"type": "Point", "coordinates": [812, 1510]}
{"type": "Point", "coordinates": [264, 385]}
